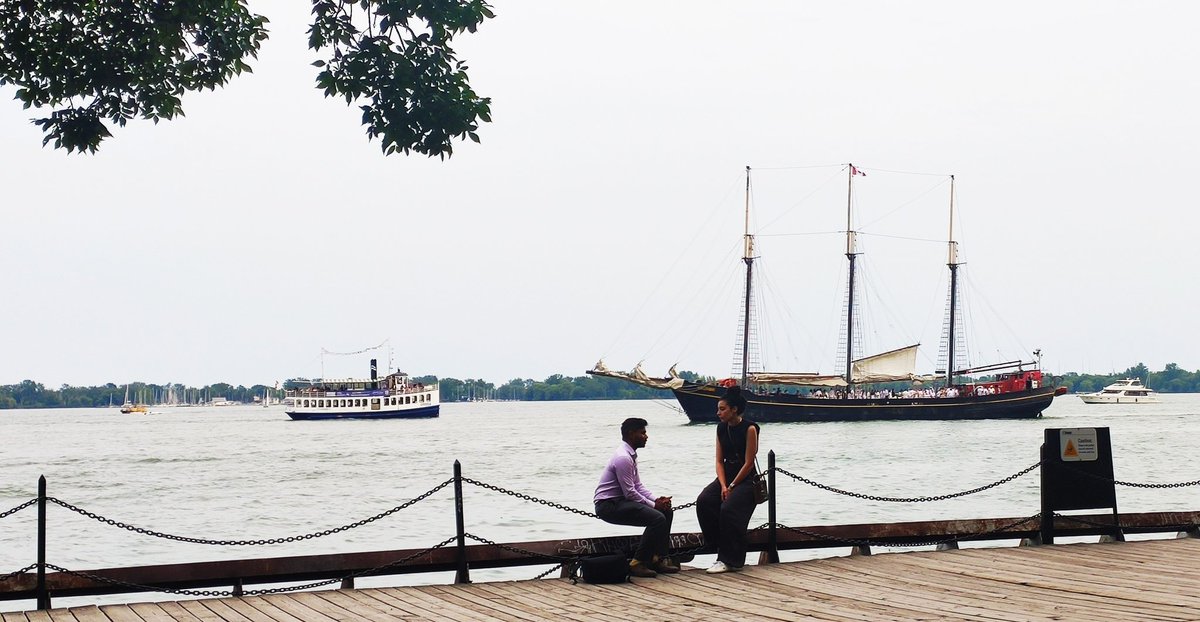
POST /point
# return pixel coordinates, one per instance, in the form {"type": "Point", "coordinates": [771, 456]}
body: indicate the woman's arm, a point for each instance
{"type": "Point", "coordinates": [721, 464]}
{"type": "Point", "coordinates": [751, 453]}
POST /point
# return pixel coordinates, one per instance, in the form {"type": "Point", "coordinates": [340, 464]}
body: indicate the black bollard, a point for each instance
{"type": "Point", "coordinates": [43, 596]}
{"type": "Point", "coordinates": [463, 575]}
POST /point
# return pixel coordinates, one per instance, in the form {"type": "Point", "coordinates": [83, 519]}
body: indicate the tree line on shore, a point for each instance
{"type": "Point", "coordinates": [30, 394]}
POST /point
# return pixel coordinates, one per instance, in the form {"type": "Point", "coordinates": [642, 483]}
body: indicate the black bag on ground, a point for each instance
{"type": "Point", "coordinates": [604, 569]}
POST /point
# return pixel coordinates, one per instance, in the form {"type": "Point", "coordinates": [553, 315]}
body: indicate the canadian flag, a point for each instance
{"type": "Point", "coordinates": [854, 171]}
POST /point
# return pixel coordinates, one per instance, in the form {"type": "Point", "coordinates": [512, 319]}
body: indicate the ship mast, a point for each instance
{"type": "Point", "coordinates": [952, 263]}
{"type": "Point", "coordinates": [850, 255]}
{"type": "Point", "coordinates": [748, 257]}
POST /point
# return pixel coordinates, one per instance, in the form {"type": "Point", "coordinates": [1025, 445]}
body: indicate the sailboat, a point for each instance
{"type": "Point", "coordinates": [1016, 390]}
{"type": "Point", "coordinates": [129, 407]}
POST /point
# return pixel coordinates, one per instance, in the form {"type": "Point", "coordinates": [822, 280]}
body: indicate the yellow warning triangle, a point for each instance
{"type": "Point", "coordinates": [1070, 451]}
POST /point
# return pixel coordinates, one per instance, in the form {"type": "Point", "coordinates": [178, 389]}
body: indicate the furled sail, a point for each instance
{"type": "Point", "coordinates": [799, 379]}
{"type": "Point", "coordinates": [893, 366]}
{"type": "Point", "coordinates": [637, 376]}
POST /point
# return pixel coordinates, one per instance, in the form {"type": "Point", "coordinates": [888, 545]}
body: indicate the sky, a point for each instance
{"type": "Point", "coordinates": [601, 216]}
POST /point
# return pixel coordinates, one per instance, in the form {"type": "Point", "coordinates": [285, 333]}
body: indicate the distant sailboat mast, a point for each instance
{"type": "Point", "coordinates": [851, 255]}
{"type": "Point", "coordinates": [952, 263]}
{"type": "Point", "coordinates": [748, 257]}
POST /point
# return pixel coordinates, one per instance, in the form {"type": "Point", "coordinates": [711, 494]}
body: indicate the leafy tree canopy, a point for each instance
{"type": "Point", "coordinates": [94, 63]}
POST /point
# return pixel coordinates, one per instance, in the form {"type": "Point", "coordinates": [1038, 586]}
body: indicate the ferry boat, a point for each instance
{"type": "Point", "coordinates": [394, 396]}
{"type": "Point", "coordinates": [1124, 391]}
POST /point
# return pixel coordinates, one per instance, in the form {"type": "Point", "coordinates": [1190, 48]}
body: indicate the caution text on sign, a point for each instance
{"type": "Point", "coordinates": [1078, 444]}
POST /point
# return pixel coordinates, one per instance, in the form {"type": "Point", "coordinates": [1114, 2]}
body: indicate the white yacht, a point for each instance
{"type": "Point", "coordinates": [1125, 391]}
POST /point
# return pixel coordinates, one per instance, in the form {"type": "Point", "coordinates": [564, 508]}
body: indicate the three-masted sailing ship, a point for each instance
{"type": "Point", "coordinates": [1013, 390]}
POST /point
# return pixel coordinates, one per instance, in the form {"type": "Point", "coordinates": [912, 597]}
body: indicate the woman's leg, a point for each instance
{"type": "Point", "coordinates": [708, 513]}
{"type": "Point", "coordinates": [733, 520]}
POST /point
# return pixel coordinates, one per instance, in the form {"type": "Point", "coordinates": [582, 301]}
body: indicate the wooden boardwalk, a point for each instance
{"type": "Point", "coordinates": [1131, 581]}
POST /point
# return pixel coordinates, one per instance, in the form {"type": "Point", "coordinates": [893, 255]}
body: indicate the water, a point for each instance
{"type": "Point", "coordinates": [251, 473]}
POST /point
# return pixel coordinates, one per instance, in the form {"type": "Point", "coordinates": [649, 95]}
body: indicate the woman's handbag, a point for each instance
{"type": "Point", "coordinates": [762, 494]}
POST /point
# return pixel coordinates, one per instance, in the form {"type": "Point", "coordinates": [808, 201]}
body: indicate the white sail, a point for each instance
{"type": "Point", "coordinates": [899, 364]}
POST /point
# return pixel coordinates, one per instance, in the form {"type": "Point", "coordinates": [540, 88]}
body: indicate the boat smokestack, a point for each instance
{"type": "Point", "coordinates": [374, 374]}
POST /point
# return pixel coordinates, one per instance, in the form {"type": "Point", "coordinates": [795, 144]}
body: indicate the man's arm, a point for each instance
{"type": "Point", "coordinates": [633, 489]}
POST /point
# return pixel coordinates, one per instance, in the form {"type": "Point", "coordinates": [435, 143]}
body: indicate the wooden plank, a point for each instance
{"type": "Point", "coordinates": [924, 596]}
{"type": "Point", "coordinates": [546, 603]}
{"type": "Point", "coordinates": [223, 609]}
{"type": "Point", "coordinates": [256, 608]}
{"type": "Point", "coordinates": [16, 616]}
{"type": "Point", "coordinates": [538, 603]}
{"type": "Point", "coordinates": [1064, 590]}
{"type": "Point", "coordinates": [282, 608]}
{"type": "Point", "coordinates": [801, 599]}
{"type": "Point", "coordinates": [177, 612]}
{"type": "Point", "coordinates": [200, 612]}
{"type": "Point", "coordinates": [917, 588]}
{"type": "Point", "coordinates": [356, 609]}
{"type": "Point", "coordinates": [393, 612]}
{"type": "Point", "coordinates": [471, 598]}
{"type": "Point", "coordinates": [415, 611]}
{"type": "Point", "coordinates": [311, 600]}
{"type": "Point", "coordinates": [697, 590]}
{"type": "Point", "coordinates": [88, 613]}
{"type": "Point", "coordinates": [150, 612]}
{"type": "Point", "coordinates": [437, 609]}
{"type": "Point", "coordinates": [120, 613]}
{"type": "Point", "coordinates": [441, 603]}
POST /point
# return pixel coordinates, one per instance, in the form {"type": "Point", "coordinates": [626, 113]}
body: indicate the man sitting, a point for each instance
{"type": "Point", "coordinates": [621, 499]}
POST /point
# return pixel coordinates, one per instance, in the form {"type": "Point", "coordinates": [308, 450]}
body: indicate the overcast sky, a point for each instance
{"type": "Point", "coordinates": [601, 215]}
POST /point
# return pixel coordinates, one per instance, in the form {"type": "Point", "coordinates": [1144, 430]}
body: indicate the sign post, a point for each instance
{"type": "Point", "coordinates": [1077, 474]}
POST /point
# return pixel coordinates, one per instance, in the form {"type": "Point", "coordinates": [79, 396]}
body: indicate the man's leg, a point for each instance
{"type": "Point", "coordinates": [625, 512]}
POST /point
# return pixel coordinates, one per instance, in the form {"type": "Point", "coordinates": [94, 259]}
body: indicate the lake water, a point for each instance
{"type": "Point", "coordinates": [251, 473]}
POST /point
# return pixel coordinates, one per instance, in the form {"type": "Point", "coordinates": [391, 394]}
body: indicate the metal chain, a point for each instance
{"type": "Point", "coordinates": [543, 575]}
{"type": "Point", "coordinates": [952, 495]}
{"type": "Point", "coordinates": [521, 551]}
{"type": "Point", "coordinates": [262, 592]}
{"type": "Point", "coordinates": [910, 544]}
{"type": "Point", "coordinates": [520, 495]}
{"type": "Point", "coordinates": [1130, 484]}
{"type": "Point", "coordinates": [6, 577]}
{"type": "Point", "coordinates": [308, 536]}
{"type": "Point", "coordinates": [557, 506]}
{"type": "Point", "coordinates": [18, 508]}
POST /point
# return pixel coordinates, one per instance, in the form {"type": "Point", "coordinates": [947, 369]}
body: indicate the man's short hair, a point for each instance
{"type": "Point", "coordinates": [632, 424]}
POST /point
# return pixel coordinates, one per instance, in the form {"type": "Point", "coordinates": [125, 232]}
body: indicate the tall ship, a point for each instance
{"type": "Point", "coordinates": [1124, 391]}
{"type": "Point", "coordinates": [394, 396]}
{"type": "Point", "coordinates": [879, 387]}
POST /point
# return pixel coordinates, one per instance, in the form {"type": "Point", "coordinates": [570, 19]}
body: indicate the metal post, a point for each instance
{"type": "Point", "coordinates": [43, 596]}
{"type": "Point", "coordinates": [772, 543]}
{"type": "Point", "coordinates": [1046, 528]}
{"type": "Point", "coordinates": [463, 574]}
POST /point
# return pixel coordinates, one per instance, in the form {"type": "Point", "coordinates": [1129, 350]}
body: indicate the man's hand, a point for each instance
{"type": "Point", "coordinates": [662, 504]}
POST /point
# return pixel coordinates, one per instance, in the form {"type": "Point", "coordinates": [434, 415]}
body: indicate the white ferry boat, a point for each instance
{"type": "Point", "coordinates": [1125, 391]}
{"type": "Point", "coordinates": [394, 396]}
